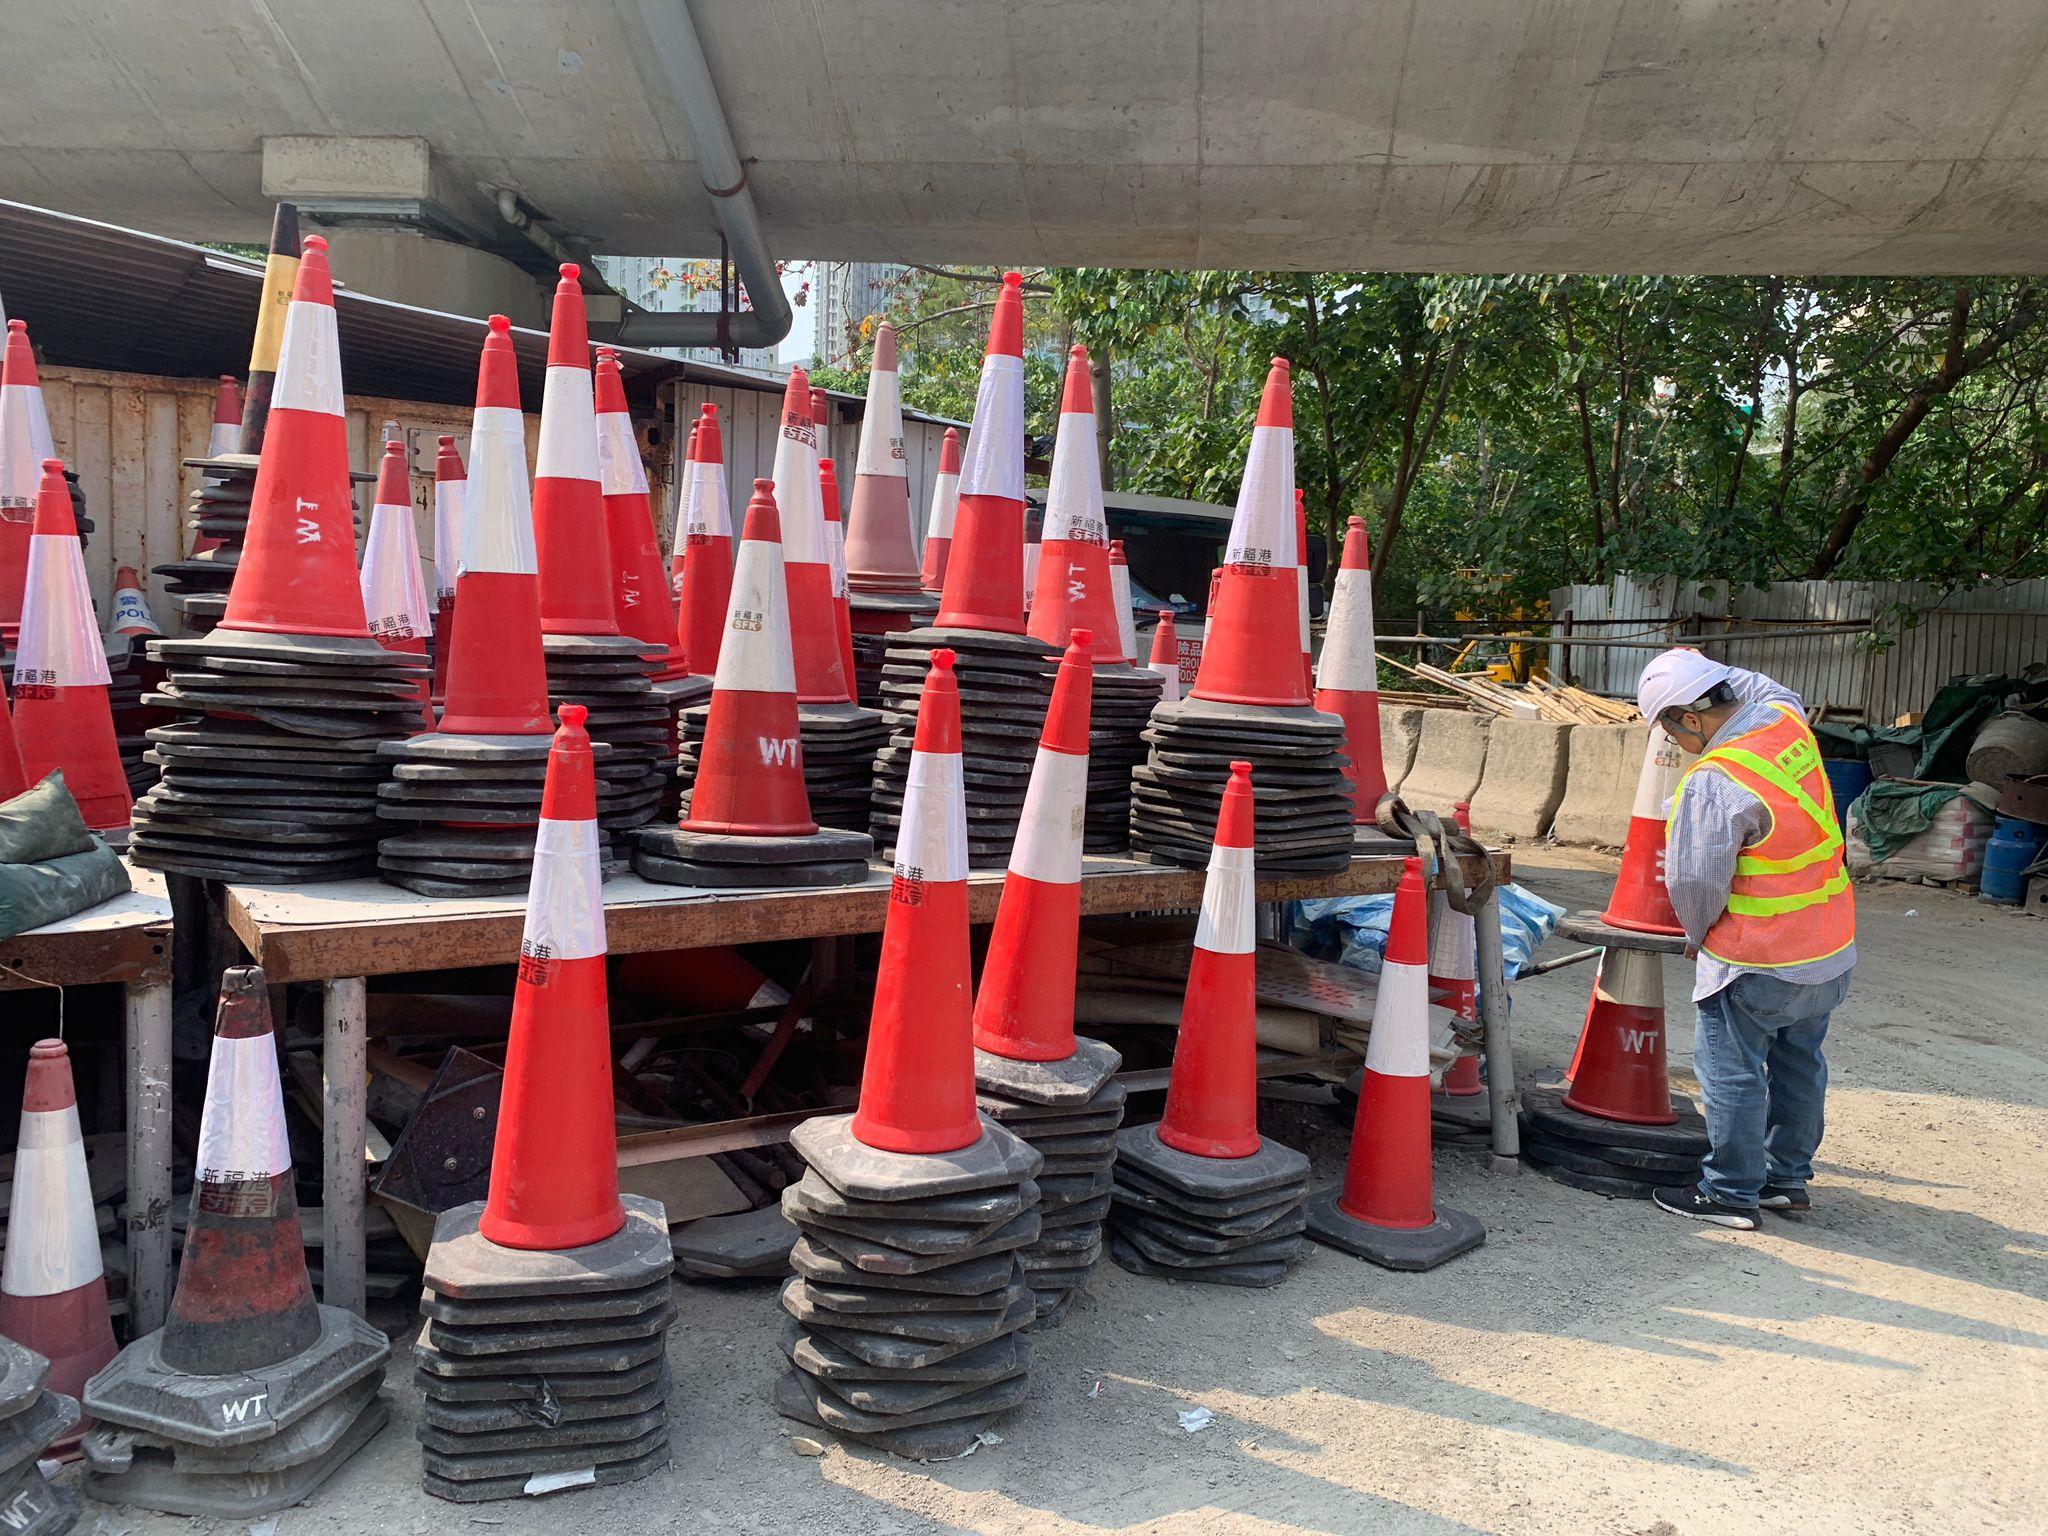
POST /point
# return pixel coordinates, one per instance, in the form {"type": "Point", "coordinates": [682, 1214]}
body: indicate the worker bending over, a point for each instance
{"type": "Point", "coordinates": [1753, 859]}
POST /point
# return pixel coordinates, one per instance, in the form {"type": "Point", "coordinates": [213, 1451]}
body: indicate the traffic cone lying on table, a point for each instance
{"type": "Point", "coordinates": [984, 585]}
{"type": "Point", "coordinates": [881, 551]}
{"type": "Point", "coordinates": [938, 534]}
{"type": "Point", "coordinates": [450, 484]}
{"type": "Point", "coordinates": [1385, 1210]}
{"type": "Point", "coordinates": [1640, 900]}
{"type": "Point", "coordinates": [250, 1396]}
{"type": "Point", "coordinates": [394, 595]}
{"type": "Point", "coordinates": [1201, 1195]}
{"type": "Point", "coordinates": [1348, 681]}
{"type": "Point", "coordinates": [24, 444]}
{"type": "Point", "coordinates": [1165, 659]}
{"type": "Point", "coordinates": [554, 1276]}
{"type": "Point", "coordinates": [62, 719]}
{"type": "Point", "coordinates": [1073, 588]}
{"type": "Point", "coordinates": [640, 596]}
{"type": "Point", "coordinates": [53, 1291]}
{"type": "Point", "coordinates": [704, 530]}
{"type": "Point", "coordinates": [909, 1295]}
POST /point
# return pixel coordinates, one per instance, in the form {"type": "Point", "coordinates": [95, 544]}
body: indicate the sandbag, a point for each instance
{"type": "Point", "coordinates": [50, 865]}
{"type": "Point", "coordinates": [42, 823]}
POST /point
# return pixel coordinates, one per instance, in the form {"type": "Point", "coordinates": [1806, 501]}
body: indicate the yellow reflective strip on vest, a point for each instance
{"type": "Point", "coordinates": [1772, 774]}
{"type": "Point", "coordinates": [1775, 965]}
{"type": "Point", "coordinates": [1750, 864]}
{"type": "Point", "coordinates": [1776, 906]}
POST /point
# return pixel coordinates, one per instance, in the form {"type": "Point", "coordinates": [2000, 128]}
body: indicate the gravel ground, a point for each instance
{"type": "Point", "coordinates": [1879, 1367]}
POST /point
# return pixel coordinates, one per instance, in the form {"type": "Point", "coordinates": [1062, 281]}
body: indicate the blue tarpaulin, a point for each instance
{"type": "Point", "coordinates": [1352, 930]}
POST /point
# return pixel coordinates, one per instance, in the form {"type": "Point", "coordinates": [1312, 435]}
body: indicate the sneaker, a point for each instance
{"type": "Point", "coordinates": [1786, 1199]}
{"type": "Point", "coordinates": [1691, 1200]}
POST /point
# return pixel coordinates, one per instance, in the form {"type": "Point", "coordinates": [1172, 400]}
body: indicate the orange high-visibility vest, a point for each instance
{"type": "Point", "coordinates": [1790, 900]}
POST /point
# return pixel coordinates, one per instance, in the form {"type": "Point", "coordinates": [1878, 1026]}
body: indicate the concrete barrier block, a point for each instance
{"type": "Point", "coordinates": [1400, 729]}
{"type": "Point", "coordinates": [1601, 770]}
{"type": "Point", "coordinates": [1524, 780]}
{"type": "Point", "coordinates": [1450, 758]}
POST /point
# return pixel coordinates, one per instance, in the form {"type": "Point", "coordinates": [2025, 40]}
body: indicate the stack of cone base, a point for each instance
{"type": "Point", "coordinates": [1304, 822]}
{"type": "Point", "coordinates": [839, 746]}
{"type": "Point", "coordinates": [910, 1299]}
{"type": "Point", "coordinates": [1123, 698]}
{"type": "Point", "coordinates": [275, 778]}
{"type": "Point", "coordinates": [1069, 1110]}
{"type": "Point", "coordinates": [250, 1396]}
{"type": "Point", "coordinates": [1005, 688]}
{"type": "Point", "coordinates": [474, 802]}
{"type": "Point", "coordinates": [32, 1419]}
{"type": "Point", "coordinates": [1221, 1220]}
{"type": "Point", "coordinates": [218, 515]}
{"type": "Point", "coordinates": [514, 1332]}
{"type": "Point", "coordinates": [877, 618]}
{"type": "Point", "coordinates": [611, 676]}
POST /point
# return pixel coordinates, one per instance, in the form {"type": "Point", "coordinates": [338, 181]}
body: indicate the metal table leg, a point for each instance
{"type": "Point", "coordinates": [345, 1094]}
{"type": "Point", "coordinates": [1500, 1054]}
{"type": "Point", "coordinates": [148, 1011]}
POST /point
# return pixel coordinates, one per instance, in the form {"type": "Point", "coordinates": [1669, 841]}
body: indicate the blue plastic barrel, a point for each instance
{"type": "Point", "coordinates": [2014, 845]}
{"type": "Point", "coordinates": [1848, 777]}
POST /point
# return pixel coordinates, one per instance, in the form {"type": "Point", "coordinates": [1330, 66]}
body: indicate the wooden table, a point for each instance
{"type": "Point", "coordinates": [337, 935]}
{"type": "Point", "coordinates": [126, 941]}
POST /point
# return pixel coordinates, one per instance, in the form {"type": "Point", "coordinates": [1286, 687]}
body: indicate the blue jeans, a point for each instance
{"type": "Point", "coordinates": [1757, 1056]}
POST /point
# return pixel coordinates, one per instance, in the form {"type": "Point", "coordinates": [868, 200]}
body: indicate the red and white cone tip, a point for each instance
{"type": "Point", "coordinates": [227, 402]}
{"type": "Point", "coordinates": [949, 452]}
{"type": "Point", "coordinates": [821, 414]}
{"type": "Point", "coordinates": [1408, 934]}
{"type": "Point", "coordinates": [497, 525]}
{"type": "Point", "coordinates": [570, 790]}
{"type": "Point", "coordinates": [447, 460]}
{"type": "Point", "coordinates": [828, 489]}
{"type": "Point", "coordinates": [53, 502]}
{"type": "Point", "coordinates": [1234, 820]}
{"type": "Point", "coordinates": [394, 592]}
{"type": "Point", "coordinates": [938, 730]}
{"type": "Point", "coordinates": [1066, 718]}
{"type": "Point", "coordinates": [1357, 547]}
{"type": "Point", "coordinates": [763, 523]}
{"type": "Point", "coordinates": [20, 363]}
{"type": "Point", "coordinates": [1077, 391]}
{"type": "Point", "coordinates": [568, 324]}
{"type": "Point", "coordinates": [53, 1244]}
{"type": "Point", "coordinates": [1276, 399]}
{"type": "Point", "coordinates": [1164, 646]}
{"type": "Point", "coordinates": [706, 444]}
{"type": "Point", "coordinates": [394, 476]}
{"type": "Point", "coordinates": [497, 377]}
{"type": "Point", "coordinates": [1006, 328]}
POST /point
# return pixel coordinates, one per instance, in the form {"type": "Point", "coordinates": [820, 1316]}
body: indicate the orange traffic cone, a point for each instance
{"type": "Point", "coordinates": [13, 777]}
{"type": "Point", "coordinates": [881, 550]}
{"type": "Point", "coordinates": [806, 553]}
{"type": "Point", "coordinates": [1211, 1098]}
{"type": "Point", "coordinates": [131, 615]}
{"type": "Point", "coordinates": [568, 501]}
{"type": "Point", "coordinates": [917, 1089]}
{"type": "Point", "coordinates": [679, 543]}
{"type": "Point", "coordinates": [1620, 1071]}
{"type": "Point", "coordinates": [938, 534]}
{"type": "Point", "coordinates": [1072, 589]}
{"type": "Point", "coordinates": [835, 541]}
{"type": "Point", "coordinates": [53, 1292]}
{"type": "Point", "coordinates": [1025, 1009]}
{"type": "Point", "coordinates": [394, 595]}
{"type": "Point", "coordinates": [497, 679]}
{"type": "Point", "coordinates": [985, 572]}
{"type": "Point", "coordinates": [1386, 1210]}
{"type": "Point", "coordinates": [640, 599]}
{"type": "Point", "coordinates": [1031, 553]}
{"type": "Point", "coordinates": [704, 530]}
{"type": "Point", "coordinates": [1165, 660]}
{"type": "Point", "coordinates": [554, 1170]}
{"type": "Point", "coordinates": [450, 487]}
{"type": "Point", "coordinates": [225, 435]}
{"type": "Point", "coordinates": [1120, 593]}
{"type": "Point", "coordinates": [1348, 682]}
{"type": "Point", "coordinates": [62, 719]}
{"type": "Point", "coordinates": [297, 574]}
{"type": "Point", "coordinates": [750, 773]}
{"type": "Point", "coordinates": [1640, 900]}
{"type": "Point", "coordinates": [1308, 661]}
{"type": "Point", "coordinates": [24, 444]}
{"type": "Point", "coordinates": [1253, 615]}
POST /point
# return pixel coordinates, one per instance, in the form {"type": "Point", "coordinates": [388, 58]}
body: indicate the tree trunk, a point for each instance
{"type": "Point", "coordinates": [1100, 377]}
{"type": "Point", "coordinates": [1582, 405]}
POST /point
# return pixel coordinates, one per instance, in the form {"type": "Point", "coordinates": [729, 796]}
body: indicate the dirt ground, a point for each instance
{"type": "Point", "coordinates": [1597, 1367]}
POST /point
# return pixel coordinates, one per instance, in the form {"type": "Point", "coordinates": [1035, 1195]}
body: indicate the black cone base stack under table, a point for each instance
{"type": "Point", "coordinates": [31, 1418]}
{"type": "Point", "coordinates": [1005, 690]}
{"type": "Point", "coordinates": [544, 1368]}
{"type": "Point", "coordinates": [609, 676]}
{"type": "Point", "coordinates": [1120, 706]}
{"type": "Point", "coordinates": [910, 1301]}
{"type": "Point", "coordinates": [1302, 821]}
{"type": "Point", "coordinates": [1610, 1157]}
{"type": "Point", "coordinates": [1070, 1111]}
{"type": "Point", "coordinates": [274, 778]}
{"type": "Point", "coordinates": [839, 746]}
{"type": "Point", "coordinates": [1221, 1220]}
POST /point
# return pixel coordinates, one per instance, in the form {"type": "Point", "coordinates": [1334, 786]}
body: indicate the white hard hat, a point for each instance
{"type": "Point", "coordinates": [1677, 677]}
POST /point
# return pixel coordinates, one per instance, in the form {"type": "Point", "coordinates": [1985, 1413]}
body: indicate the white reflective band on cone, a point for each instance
{"type": "Point", "coordinates": [1350, 660]}
{"type": "Point", "coordinates": [308, 361]}
{"type": "Point", "coordinates": [881, 429]}
{"type": "Point", "coordinates": [1048, 845]}
{"type": "Point", "coordinates": [798, 498]}
{"type": "Point", "coordinates": [449, 502]}
{"type": "Point", "coordinates": [1399, 1043]}
{"type": "Point", "coordinates": [945, 503]}
{"type": "Point", "coordinates": [59, 645]}
{"type": "Point", "coordinates": [241, 1130]}
{"type": "Point", "coordinates": [678, 544]}
{"type": "Point", "coordinates": [565, 906]}
{"type": "Point", "coordinates": [1169, 673]}
{"type": "Point", "coordinates": [929, 846]}
{"type": "Point", "coordinates": [835, 546]}
{"type": "Point", "coordinates": [568, 426]}
{"type": "Point", "coordinates": [1664, 764]}
{"type": "Point", "coordinates": [1225, 924]}
{"type": "Point", "coordinates": [53, 1243]}
{"type": "Point", "coordinates": [993, 464]}
{"type": "Point", "coordinates": [1451, 941]}
{"type": "Point", "coordinates": [1634, 978]}
{"type": "Point", "coordinates": [705, 509]}
{"type": "Point", "coordinates": [1073, 494]}
{"type": "Point", "coordinates": [755, 655]}
{"type": "Point", "coordinates": [1262, 530]}
{"type": "Point", "coordinates": [497, 528]}
{"type": "Point", "coordinates": [394, 596]}
{"type": "Point", "coordinates": [1127, 621]}
{"type": "Point", "coordinates": [225, 437]}
{"type": "Point", "coordinates": [1301, 598]}
{"type": "Point", "coordinates": [1032, 555]}
{"type": "Point", "coordinates": [24, 444]}
{"type": "Point", "coordinates": [619, 469]}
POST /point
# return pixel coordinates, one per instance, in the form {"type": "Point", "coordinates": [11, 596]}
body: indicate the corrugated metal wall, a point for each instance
{"type": "Point", "coordinates": [1925, 634]}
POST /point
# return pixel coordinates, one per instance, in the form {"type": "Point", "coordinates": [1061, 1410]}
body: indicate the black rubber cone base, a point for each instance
{"type": "Point", "coordinates": [154, 1481]}
{"type": "Point", "coordinates": [310, 651]}
{"type": "Point", "coordinates": [1450, 1234]}
{"type": "Point", "coordinates": [1129, 1196]}
{"type": "Point", "coordinates": [795, 1398]}
{"type": "Point", "coordinates": [1460, 1112]}
{"type": "Point", "coordinates": [829, 1254]}
{"type": "Point", "coordinates": [1253, 1276]}
{"type": "Point", "coordinates": [553, 1361]}
{"type": "Point", "coordinates": [1629, 1162]}
{"type": "Point", "coordinates": [35, 1506]}
{"type": "Point", "coordinates": [544, 1400]}
{"type": "Point", "coordinates": [22, 1374]}
{"type": "Point", "coordinates": [449, 1478]}
{"type": "Point", "coordinates": [1615, 1186]}
{"type": "Point", "coordinates": [1069, 1082]}
{"type": "Point", "coordinates": [464, 1265]}
{"type": "Point", "coordinates": [826, 845]}
{"type": "Point", "coordinates": [1591, 928]}
{"type": "Point", "coordinates": [465, 751]}
{"type": "Point", "coordinates": [594, 1436]}
{"type": "Point", "coordinates": [1272, 1167]}
{"type": "Point", "coordinates": [828, 1144]}
{"type": "Point", "coordinates": [526, 1394]}
{"type": "Point", "coordinates": [987, 1207]}
{"type": "Point", "coordinates": [1545, 1110]}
